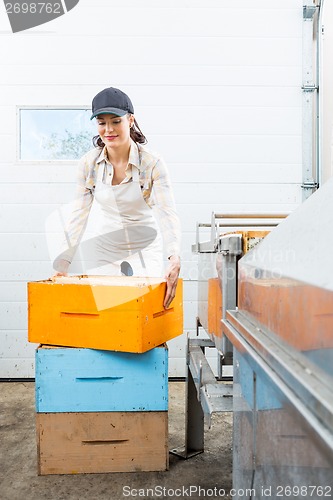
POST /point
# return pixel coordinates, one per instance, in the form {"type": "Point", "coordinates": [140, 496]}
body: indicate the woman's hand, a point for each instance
{"type": "Point", "coordinates": [171, 277]}
{"type": "Point", "coordinates": [59, 274]}
{"type": "Point", "coordinates": [61, 266]}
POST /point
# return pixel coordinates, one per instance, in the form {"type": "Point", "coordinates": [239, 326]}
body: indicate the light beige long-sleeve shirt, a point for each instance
{"type": "Point", "coordinates": [156, 191]}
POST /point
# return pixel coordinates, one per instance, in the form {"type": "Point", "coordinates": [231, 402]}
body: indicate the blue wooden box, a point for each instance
{"type": "Point", "coordinates": [89, 380]}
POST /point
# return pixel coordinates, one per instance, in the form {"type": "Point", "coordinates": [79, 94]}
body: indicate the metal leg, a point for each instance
{"type": "Point", "coordinates": [203, 397]}
{"type": "Point", "coordinates": [219, 366]}
{"type": "Point", "coordinates": [198, 324]}
{"type": "Point", "coordinates": [194, 422]}
{"type": "Point", "coordinates": [194, 428]}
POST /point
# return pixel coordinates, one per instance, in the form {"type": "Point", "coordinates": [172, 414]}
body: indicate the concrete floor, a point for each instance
{"type": "Point", "coordinates": [19, 479]}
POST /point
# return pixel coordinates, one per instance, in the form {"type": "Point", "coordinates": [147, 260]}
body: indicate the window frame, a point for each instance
{"type": "Point", "coordinates": [43, 108]}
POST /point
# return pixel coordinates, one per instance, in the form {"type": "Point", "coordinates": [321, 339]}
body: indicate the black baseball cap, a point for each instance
{"type": "Point", "coordinates": [112, 101]}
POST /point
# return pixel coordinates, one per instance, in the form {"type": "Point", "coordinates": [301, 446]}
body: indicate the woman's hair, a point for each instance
{"type": "Point", "coordinates": [135, 133]}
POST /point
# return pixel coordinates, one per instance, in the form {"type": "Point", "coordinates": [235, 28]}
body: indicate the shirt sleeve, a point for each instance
{"type": "Point", "coordinates": [78, 218]}
{"type": "Point", "coordinates": [165, 207]}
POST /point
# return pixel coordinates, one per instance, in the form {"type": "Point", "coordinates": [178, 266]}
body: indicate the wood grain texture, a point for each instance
{"type": "Point", "coordinates": [102, 316]}
{"type": "Point", "coordinates": [73, 443]}
{"type": "Point", "coordinates": [90, 380]}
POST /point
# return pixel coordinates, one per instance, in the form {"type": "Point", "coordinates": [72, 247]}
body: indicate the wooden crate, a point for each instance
{"type": "Point", "coordinates": [250, 239]}
{"type": "Point", "coordinates": [120, 314]}
{"type": "Point", "coordinates": [299, 313]}
{"type": "Point", "coordinates": [73, 443]}
{"type": "Point", "coordinates": [84, 380]}
{"type": "Point", "coordinates": [215, 306]}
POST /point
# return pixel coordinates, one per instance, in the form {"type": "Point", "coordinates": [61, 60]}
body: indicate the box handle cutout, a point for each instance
{"type": "Point", "coordinates": [80, 314]}
{"type": "Point", "coordinates": [98, 379]}
{"type": "Point", "coordinates": [162, 313]}
{"type": "Point", "coordinates": [105, 441]}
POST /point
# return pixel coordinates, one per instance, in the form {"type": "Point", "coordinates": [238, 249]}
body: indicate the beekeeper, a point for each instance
{"type": "Point", "coordinates": [127, 186]}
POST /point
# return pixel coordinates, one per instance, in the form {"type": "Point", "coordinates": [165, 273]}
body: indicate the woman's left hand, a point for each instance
{"type": "Point", "coordinates": [171, 277]}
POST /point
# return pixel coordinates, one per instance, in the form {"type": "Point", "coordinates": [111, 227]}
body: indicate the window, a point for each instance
{"type": "Point", "coordinates": [54, 134]}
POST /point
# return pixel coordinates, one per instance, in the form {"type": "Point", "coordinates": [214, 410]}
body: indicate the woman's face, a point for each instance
{"type": "Point", "coordinates": [114, 130]}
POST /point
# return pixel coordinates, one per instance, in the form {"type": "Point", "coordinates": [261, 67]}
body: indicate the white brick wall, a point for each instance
{"type": "Point", "coordinates": [217, 90]}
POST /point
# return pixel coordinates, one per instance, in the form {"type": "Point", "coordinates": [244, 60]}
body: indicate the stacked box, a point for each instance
{"type": "Point", "coordinates": [88, 380]}
{"type": "Point", "coordinates": [101, 411]}
{"type": "Point", "coordinates": [102, 372]}
{"type": "Point", "coordinates": [73, 443]}
{"type": "Point", "coordinates": [119, 314]}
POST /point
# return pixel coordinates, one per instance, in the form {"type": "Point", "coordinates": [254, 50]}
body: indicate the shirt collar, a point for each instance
{"type": "Point", "coordinates": [102, 156]}
{"type": "Point", "coordinates": [134, 156]}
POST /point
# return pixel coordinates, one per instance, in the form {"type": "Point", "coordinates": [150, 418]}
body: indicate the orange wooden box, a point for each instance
{"type": "Point", "coordinates": [214, 306]}
{"type": "Point", "coordinates": [249, 240]}
{"type": "Point", "coordinates": [298, 313]}
{"type": "Point", "coordinates": [73, 443]}
{"type": "Point", "coordinates": [112, 313]}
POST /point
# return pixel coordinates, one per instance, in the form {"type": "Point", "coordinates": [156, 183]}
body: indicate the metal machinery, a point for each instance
{"type": "Point", "coordinates": [282, 333]}
{"type": "Point", "coordinates": [230, 237]}
{"type": "Point", "coordinates": [272, 312]}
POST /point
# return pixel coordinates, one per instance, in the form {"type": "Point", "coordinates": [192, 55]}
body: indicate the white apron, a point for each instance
{"type": "Point", "coordinates": [127, 238]}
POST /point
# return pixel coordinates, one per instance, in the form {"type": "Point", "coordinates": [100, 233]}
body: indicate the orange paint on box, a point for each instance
{"type": "Point", "coordinates": [101, 312]}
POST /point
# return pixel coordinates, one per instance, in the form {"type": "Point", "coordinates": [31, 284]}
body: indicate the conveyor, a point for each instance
{"type": "Point", "coordinates": [230, 237]}
{"type": "Point", "coordinates": [269, 311]}
{"type": "Point", "coordinates": [282, 333]}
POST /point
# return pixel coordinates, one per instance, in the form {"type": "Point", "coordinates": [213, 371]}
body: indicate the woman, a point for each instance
{"type": "Point", "coordinates": [125, 181]}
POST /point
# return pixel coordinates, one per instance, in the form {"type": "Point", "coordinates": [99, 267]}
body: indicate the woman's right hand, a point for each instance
{"type": "Point", "coordinates": [59, 274]}
{"type": "Point", "coordinates": [61, 266]}
{"type": "Point", "coordinates": [171, 277]}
